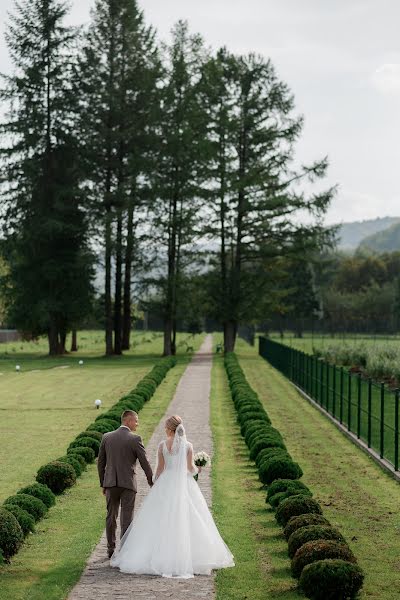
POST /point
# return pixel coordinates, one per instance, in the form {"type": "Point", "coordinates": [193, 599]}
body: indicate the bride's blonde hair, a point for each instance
{"type": "Point", "coordinates": [172, 422]}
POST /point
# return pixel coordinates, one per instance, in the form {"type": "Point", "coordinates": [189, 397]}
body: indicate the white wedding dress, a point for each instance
{"type": "Point", "coordinates": [173, 534]}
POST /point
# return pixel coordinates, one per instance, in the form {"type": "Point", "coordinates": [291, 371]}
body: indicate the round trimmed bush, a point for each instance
{"type": "Point", "coordinates": [40, 491]}
{"type": "Point", "coordinates": [113, 422]}
{"type": "Point", "coordinates": [294, 506]}
{"type": "Point", "coordinates": [58, 476]}
{"type": "Point", "coordinates": [268, 454]}
{"type": "Point", "coordinates": [249, 427]}
{"type": "Point", "coordinates": [72, 459]}
{"type": "Point", "coordinates": [25, 520]}
{"type": "Point", "coordinates": [286, 485]}
{"type": "Point", "coordinates": [319, 550]}
{"type": "Point", "coordinates": [331, 579]}
{"type": "Point", "coordinates": [11, 534]}
{"type": "Point", "coordinates": [32, 505]}
{"type": "Point", "coordinates": [96, 435]}
{"type": "Point", "coordinates": [303, 521]}
{"type": "Point", "coordinates": [280, 496]}
{"type": "Point", "coordinates": [279, 467]}
{"type": "Point", "coordinates": [250, 416]}
{"type": "Point", "coordinates": [102, 425]}
{"type": "Point", "coordinates": [268, 430]}
{"type": "Point", "coordinates": [311, 533]}
{"type": "Point", "coordinates": [84, 451]}
{"type": "Point", "coordinates": [86, 441]}
{"type": "Point", "coordinates": [266, 441]}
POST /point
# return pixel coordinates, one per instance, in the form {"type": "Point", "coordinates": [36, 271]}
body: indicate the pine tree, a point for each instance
{"type": "Point", "coordinates": [119, 71]}
{"type": "Point", "coordinates": [178, 170]}
{"type": "Point", "coordinates": [258, 195]}
{"type": "Point", "coordinates": [49, 281]}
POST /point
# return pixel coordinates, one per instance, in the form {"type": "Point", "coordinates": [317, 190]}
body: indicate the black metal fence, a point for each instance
{"type": "Point", "coordinates": [369, 410]}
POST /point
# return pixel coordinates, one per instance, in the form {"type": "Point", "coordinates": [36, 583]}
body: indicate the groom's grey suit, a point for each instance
{"type": "Point", "coordinates": [119, 451]}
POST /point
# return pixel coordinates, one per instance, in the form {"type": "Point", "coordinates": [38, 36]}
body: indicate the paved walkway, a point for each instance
{"type": "Point", "coordinates": [99, 581]}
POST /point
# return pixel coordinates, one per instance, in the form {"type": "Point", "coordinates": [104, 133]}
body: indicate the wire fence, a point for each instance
{"type": "Point", "coordinates": [367, 409]}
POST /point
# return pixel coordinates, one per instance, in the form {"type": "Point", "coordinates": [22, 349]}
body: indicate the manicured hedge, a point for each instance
{"type": "Point", "coordinates": [321, 557]}
{"type": "Point", "coordinates": [19, 512]}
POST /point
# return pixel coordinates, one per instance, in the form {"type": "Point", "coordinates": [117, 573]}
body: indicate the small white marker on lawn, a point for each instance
{"type": "Point", "coordinates": [17, 368]}
{"type": "Point", "coordinates": [97, 403]}
{"type": "Point", "coordinates": [81, 362]}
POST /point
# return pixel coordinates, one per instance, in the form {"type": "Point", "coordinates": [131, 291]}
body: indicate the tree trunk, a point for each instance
{"type": "Point", "coordinates": [173, 341]}
{"type": "Point", "coordinates": [230, 332]}
{"type": "Point", "coordinates": [107, 291]}
{"type": "Point", "coordinates": [62, 341]}
{"type": "Point", "coordinates": [118, 289]}
{"type": "Point", "coordinates": [74, 342]}
{"type": "Point", "coordinates": [52, 336]}
{"type": "Point", "coordinates": [127, 317]}
{"type": "Point", "coordinates": [167, 337]}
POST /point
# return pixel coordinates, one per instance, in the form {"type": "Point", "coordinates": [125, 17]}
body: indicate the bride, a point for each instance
{"type": "Point", "coordinates": [173, 533]}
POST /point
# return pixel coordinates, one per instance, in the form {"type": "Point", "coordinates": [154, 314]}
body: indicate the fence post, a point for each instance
{"type": "Point", "coordinates": [382, 431]}
{"type": "Point", "coordinates": [369, 412]}
{"type": "Point", "coordinates": [359, 406]}
{"type": "Point", "coordinates": [327, 386]}
{"type": "Point", "coordinates": [341, 396]}
{"type": "Point", "coordinates": [334, 391]}
{"type": "Point", "coordinates": [349, 402]}
{"type": "Point", "coordinates": [321, 395]}
{"type": "Point", "coordinates": [396, 432]}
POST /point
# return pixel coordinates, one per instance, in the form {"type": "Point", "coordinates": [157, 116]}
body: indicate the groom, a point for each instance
{"type": "Point", "coordinates": [119, 451]}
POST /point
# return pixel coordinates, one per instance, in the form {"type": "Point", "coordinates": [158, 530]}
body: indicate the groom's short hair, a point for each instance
{"type": "Point", "coordinates": [128, 413]}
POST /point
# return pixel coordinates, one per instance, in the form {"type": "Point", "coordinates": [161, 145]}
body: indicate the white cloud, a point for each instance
{"type": "Point", "coordinates": [386, 78]}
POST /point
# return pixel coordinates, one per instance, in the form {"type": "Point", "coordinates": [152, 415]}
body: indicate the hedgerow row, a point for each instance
{"type": "Point", "coordinates": [321, 558]}
{"type": "Point", "coordinates": [20, 512]}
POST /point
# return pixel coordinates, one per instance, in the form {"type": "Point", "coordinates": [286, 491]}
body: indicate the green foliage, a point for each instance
{"type": "Point", "coordinates": [96, 435]}
{"type": "Point", "coordinates": [303, 520]}
{"type": "Point", "coordinates": [102, 426]}
{"type": "Point", "coordinates": [11, 535]}
{"type": "Point", "coordinates": [280, 496]}
{"type": "Point", "coordinates": [73, 460]}
{"type": "Point", "coordinates": [286, 485]}
{"type": "Point", "coordinates": [312, 533]}
{"type": "Point", "coordinates": [32, 505]}
{"type": "Point", "coordinates": [25, 520]}
{"type": "Point", "coordinates": [331, 579]}
{"type": "Point", "coordinates": [87, 453]}
{"type": "Point", "coordinates": [319, 550]}
{"type": "Point", "coordinates": [295, 506]}
{"type": "Point", "coordinates": [58, 476]}
{"type": "Point", "coordinates": [279, 467]}
{"type": "Point", "coordinates": [85, 441]}
{"type": "Point", "coordinates": [40, 491]}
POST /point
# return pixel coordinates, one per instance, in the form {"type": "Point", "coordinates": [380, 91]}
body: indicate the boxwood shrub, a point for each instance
{"type": "Point", "coordinates": [32, 505]}
{"type": "Point", "coordinates": [11, 534]}
{"type": "Point", "coordinates": [72, 459]}
{"type": "Point", "coordinates": [268, 454]}
{"type": "Point", "coordinates": [286, 485]}
{"type": "Point", "coordinates": [96, 435]}
{"type": "Point", "coordinates": [311, 533]}
{"type": "Point", "coordinates": [25, 520]}
{"type": "Point", "coordinates": [58, 476]}
{"type": "Point", "coordinates": [331, 579]}
{"type": "Point", "coordinates": [104, 423]}
{"type": "Point", "coordinates": [266, 441]}
{"type": "Point", "coordinates": [279, 467]}
{"type": "Point", "coordinates": [86, 441]}
{"type": "Point", "coordinates": [280, 496]}
{"type": "Point", "coordinates": [320, 550]}
{"type": "Point", "coordinates": [302, 521]}
{"type": "Point", "coordinates": [294, 506]}
{"type": "Point", "coordinates": [84, 451]}
{"type": "Point", "coordinates": [43, 492]}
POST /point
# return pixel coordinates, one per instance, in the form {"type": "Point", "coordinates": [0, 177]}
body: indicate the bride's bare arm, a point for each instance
{"type": "Point", "coordinates": [160, 463]}
{"type": "Point", "coordinates": [190, 462]}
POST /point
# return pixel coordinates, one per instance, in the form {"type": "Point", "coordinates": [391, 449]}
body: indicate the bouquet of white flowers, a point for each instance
{"type": "Point", "coordinates": [201, 459]}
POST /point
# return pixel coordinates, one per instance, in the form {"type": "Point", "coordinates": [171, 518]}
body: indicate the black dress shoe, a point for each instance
{"type": "Point", "coordinates": [110, 553]}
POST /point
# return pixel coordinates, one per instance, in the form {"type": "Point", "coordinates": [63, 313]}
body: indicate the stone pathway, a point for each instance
{"type": "Point", "coordinates": [191, 401]}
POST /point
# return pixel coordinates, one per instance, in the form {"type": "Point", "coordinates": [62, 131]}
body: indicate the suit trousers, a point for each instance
{"type": "Point", "coordinates": [116, 497]}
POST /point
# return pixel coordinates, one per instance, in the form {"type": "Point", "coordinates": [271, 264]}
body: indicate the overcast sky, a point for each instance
{"type": "Point", "coordinates": [342, 61]}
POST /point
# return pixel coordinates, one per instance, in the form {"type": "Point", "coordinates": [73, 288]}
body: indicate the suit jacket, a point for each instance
{"type": "Point", "coordinates": [119, 451]}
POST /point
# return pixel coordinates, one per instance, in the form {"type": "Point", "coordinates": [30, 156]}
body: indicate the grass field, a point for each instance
{"type": "Point", "coordinates": [308, 342]}
{"type": "Point", "coordinates": [59, 403]}
{"type": "Point", "coordinates": [356, 495]}
{"type": "Point", "coordinates": [244, 520]}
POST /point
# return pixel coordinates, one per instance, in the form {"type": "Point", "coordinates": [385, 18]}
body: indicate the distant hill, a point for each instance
{"type": "Point", "coordinates": [351, 235]}
{"type": "Point", "coordinates": [387, 240]}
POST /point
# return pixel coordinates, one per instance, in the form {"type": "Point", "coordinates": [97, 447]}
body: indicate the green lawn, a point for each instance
{"type": "Point", "coordinates": [318, 341]}
{"type": "Point", "coordinates": [357, 496]}
{"type": "Point", "coordinates": [59, 404]}
{"type": "Point", "coordinates": [244, 520]}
